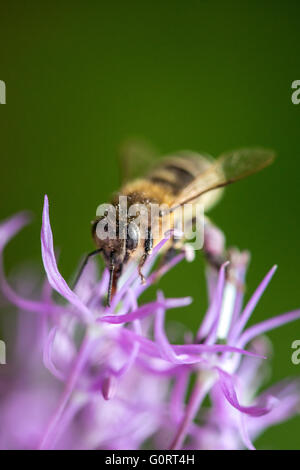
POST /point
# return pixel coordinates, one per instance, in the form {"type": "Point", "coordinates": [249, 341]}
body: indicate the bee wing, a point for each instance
{"type": "Point", "coordinates": [229, 167]}
{"type": "Point", "coordinates": [136, 157]}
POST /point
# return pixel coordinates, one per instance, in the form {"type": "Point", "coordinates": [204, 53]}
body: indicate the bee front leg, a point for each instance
{"type": "Point", "coordinates": [148, 244]}
{"type": "Point", "coordinates": [82, 267]}
{"type": "Point", "coordinates": [116, 276]}
{"type": "Point", "coordinates": [176, 247]}
{"type": "Point", "coordinates": [169, 255]}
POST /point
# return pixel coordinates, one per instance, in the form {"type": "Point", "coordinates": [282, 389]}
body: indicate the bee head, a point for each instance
{"type": "Point", "coordinates": [117, 244]}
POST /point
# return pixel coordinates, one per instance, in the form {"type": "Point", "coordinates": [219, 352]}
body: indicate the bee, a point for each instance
{"type": "Point", "coordinates": [176, 180]}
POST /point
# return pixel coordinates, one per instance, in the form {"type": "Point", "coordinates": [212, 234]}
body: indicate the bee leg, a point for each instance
{"type": "Point", "coordinates": [141, 264]}
{"type": "Point", "coordinates": [147, 251]}
{"type": "Point", "coordinates": [177, 246]}
{"type": "Point", "coordinates": [114, 284]}
{"type": "Point", "coordinates": [85, 262]}
{"type": "Point", "coordinates": [169, 255]}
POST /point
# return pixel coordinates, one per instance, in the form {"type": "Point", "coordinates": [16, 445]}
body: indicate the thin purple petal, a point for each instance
{"type": "Point", "coordinates": [145, 310]}
{"type": "Point", "coordinates": [47, 356]}
{"type": "Point", "coordinates": [210, 322]}
{"type": "Point", "coordinates": [252, 303]}
{"type": "Point", "coordinates": [227, 387]}
{"type": "Point", "coordinates": [54, 277]}
{"type": "Point", "coordinates": [267, 325]}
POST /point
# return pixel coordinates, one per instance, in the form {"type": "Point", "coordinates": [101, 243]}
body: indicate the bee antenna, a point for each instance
{"type": "Point", "coordinates": [111, 277]}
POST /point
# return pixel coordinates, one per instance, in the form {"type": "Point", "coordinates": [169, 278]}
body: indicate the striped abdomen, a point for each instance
{"type": "Point", "coordinates": [175, 173]}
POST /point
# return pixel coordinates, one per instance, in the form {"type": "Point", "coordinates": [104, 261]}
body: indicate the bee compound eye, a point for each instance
{"type": "Point", "coordinates": [132, 238]}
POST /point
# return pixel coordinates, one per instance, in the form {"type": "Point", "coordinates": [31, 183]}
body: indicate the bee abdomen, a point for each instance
{"type": "Point", "coordinates": [173, 176]}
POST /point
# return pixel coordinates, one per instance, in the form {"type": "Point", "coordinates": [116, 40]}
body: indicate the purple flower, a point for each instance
{"type": "Point", "coordinates": [86, 376]}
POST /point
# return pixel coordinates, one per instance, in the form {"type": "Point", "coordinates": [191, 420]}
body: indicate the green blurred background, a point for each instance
{"type": "Point", "coordinates": [83, 76]}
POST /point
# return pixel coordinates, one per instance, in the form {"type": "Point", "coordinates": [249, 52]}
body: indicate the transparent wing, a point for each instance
{"type": "Point", "coordinates": [136, 157]}
{"type": "Point", "coordinates": [244, 162]}
{"type": "Point", "coordinates": [229, 167]}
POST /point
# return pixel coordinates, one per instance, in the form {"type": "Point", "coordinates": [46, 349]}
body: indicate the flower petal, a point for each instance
{"type": "Point", "coordinates": [209, 324]}
{"type": "Point", "coordinates": [227, 387]}
{"type": "Point", "coordinates": [47, 355]}
{"type": "Point", "coordinates": [165, 348]}
{"type": "Point", "coordinates": [239, 326]}
{"type": "Point", "coordinates": [9, 229]}
{"type": "Point", "coordinates": [191, 351]}
{"type": "Point", "coordinates": [267, 325]}
{"type": "Point", "coordinates": [145, 310]}
{"type": "Point", "coordinates": [54, 277]}
{"type": "Point", "coordinates": [244, 432]}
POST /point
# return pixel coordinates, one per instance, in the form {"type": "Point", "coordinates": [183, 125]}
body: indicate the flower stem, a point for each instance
{"type": "Point", "coordinates": [47, 440]}
{"type": "Point", "coordinates": [198, 394]}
